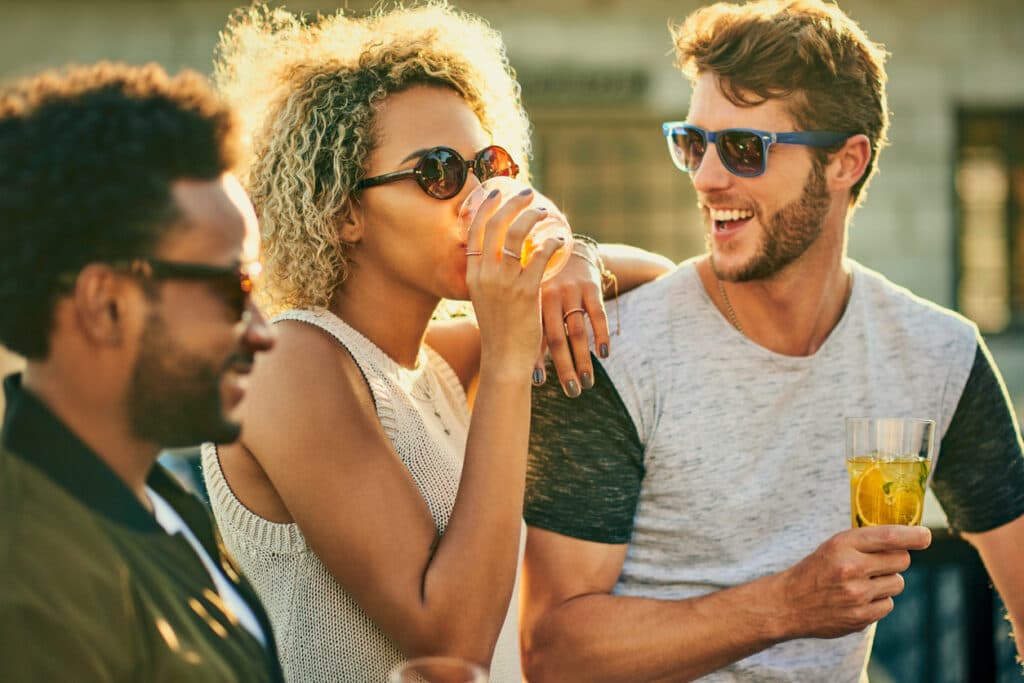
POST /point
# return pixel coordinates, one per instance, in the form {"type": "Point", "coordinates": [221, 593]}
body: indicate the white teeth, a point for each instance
{"type": "Point", "coordinates": [730, 214]}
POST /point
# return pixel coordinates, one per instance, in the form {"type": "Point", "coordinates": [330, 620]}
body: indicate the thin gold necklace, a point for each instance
{"type": "Point", "coordinates": [730, 312]}
{"type": "Point", "coordinates": [729, 309]}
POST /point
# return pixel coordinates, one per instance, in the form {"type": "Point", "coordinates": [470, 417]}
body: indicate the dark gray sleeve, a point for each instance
{"type": "Point", "coordinates": [979, 475]}
{"type": "Point", "coordinates": [586, 462]}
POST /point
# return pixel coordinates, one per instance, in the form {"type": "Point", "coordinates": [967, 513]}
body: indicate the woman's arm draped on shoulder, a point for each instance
{"type": "Point", "coordinates": [633, 266]}
{"type": "Point", "coordinates": [574, 300]}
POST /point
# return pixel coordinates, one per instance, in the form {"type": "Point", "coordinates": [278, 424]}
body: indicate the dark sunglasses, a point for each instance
{"type": "Point", "coordinates": [744, 152]}
{"type": "Point", "coordinates": [441, 172]}
{"type": "Point", "coordinates": [233, 284]}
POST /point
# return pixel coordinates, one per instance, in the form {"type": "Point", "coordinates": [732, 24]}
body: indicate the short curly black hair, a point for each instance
{"type": "Point", "coordinates": [87, 158]}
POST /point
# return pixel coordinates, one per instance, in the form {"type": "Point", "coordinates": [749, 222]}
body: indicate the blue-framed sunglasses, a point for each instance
{"type": "Point", "coordinates": [743, 151]}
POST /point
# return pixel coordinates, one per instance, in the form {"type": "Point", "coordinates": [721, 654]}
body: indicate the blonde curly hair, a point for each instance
{"type": "Point", "coordinates": [306, 92]}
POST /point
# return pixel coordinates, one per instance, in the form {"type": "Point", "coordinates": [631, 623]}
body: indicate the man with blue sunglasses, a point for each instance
{"type": "Point", "coordinates": [689, 515]}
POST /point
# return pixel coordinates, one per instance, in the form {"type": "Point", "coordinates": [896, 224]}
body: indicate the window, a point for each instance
{"type": "Point", "coordinates": [611, 175]}
{"type": "Point", "coordinates": [990, 217]}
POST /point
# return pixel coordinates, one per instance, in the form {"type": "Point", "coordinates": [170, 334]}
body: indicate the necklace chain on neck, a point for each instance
{"type": "Point", "coordinates": [730, 312]}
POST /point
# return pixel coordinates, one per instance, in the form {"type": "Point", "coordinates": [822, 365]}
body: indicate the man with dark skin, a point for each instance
{"type": "Point", "coordinates": [126, 260]}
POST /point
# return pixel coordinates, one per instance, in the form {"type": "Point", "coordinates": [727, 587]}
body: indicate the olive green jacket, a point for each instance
{"type": "Point", "coordinates": [91, 588]}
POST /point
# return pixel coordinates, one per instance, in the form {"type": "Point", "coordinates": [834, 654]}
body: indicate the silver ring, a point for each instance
{"type": "Point", "coordinates": [474, 253]}
{"type": "Point", "coordinates": [571, 311]}
{"type": "Point", "coordinates": [508, 252]}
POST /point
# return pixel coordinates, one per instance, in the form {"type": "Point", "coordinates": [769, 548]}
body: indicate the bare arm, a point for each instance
{"type": "Point", "coordinates": [310, 422]}
{"type": "Point", "coordinates": [573, 629]}
{"type": "Point", "coordinates": [633, 266]}
{"type": "Point", "coordinates": [1002, 551]}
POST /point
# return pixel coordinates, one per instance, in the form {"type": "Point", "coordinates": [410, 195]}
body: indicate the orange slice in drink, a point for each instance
{"type": "Point", "coordinates": [883, 499]}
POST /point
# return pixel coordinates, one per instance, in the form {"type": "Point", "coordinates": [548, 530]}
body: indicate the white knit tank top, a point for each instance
{"type": "Point", "coordinates": [322, 634]}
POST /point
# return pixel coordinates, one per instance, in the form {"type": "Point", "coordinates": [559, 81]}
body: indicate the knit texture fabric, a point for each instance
{"type": "Point", "coordinates": [322, 633]}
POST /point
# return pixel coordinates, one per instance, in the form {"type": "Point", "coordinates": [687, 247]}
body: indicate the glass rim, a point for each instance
{"type": "Point", "coordinates": [911, 420]}
{"type": "Point", "coordinates": [435, 660]}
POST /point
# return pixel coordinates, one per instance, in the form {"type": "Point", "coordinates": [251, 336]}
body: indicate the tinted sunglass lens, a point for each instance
{"type": "Point", "coordinates": [742, 152]}
{"type": "Point", "coordinates": [688, 147]}
{"type": "Point", "coordinates": [494, 161]}
{"type": "Point", "coordinates": [442, 173]}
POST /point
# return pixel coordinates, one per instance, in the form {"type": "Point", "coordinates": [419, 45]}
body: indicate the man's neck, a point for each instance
{"type": "Point", "coordinates": [792, 313]}
{"type": "Point", "coordinates": [98, 419]}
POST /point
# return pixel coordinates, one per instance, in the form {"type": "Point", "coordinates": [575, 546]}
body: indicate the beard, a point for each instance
{"type": "Point", "coordinates": [788, 233]}
{"type": "Point", "coordinates": [174, 399]}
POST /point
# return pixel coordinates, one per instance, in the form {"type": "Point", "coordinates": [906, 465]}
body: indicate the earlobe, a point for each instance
{"type": "Point", "coordinates": [849, 164]}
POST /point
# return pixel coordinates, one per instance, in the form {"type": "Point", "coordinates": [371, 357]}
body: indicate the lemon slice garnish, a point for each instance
{"type": "Point", "coordinates": [883, 499]}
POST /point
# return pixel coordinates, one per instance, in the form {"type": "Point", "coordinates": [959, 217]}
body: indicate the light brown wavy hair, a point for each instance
{"type": "Point", "coordinates": [307, 93]}
{"type": "Point", "coordinates": [806, 51]}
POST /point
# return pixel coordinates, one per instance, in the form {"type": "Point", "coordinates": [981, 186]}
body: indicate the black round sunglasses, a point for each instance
{"type": "Point", "coordinates": [441, 172]}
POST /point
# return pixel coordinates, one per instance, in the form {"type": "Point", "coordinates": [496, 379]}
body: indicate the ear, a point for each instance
{"type": "Point", "coordinates": [99, 305]}
{"type": "Point", "coordinates": [351, 223]}
{"type": "Point", "coordinates": [848, 165]}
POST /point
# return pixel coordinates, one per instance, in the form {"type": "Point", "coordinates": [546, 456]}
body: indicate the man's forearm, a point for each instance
{"type": "Point", "coordinates": [611, 639]}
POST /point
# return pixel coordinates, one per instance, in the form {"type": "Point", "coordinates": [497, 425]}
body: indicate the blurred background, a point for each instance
{"type": "Point", "coordinates": [944, 216]}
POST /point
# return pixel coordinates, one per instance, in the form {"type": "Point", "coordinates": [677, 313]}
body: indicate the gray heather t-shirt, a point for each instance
{"type": "Point", "coordinates": [719, 461]}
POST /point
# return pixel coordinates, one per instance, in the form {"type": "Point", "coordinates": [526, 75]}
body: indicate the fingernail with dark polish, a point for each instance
{"type": "Point", "coordinates": [493, 194]}
{"type": "Point", "coordinates": [572, 390]}
{"type": "Point", "coordinates": [538, 376]}
{"type": "Point", "coordinates": [587, 380]}
{"type": "Point", "coordinates": [527, 191]}
{"type": "Point", "coordinates": [604, 350]}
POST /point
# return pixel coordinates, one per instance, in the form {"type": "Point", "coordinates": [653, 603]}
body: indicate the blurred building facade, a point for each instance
{"type": "Point", "coordinates": [944, 217]}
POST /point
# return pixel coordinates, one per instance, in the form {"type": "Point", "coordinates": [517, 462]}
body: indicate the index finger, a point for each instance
{"type": "Point", "coordinates": [888, 537]}
{"type": "Point", "coordinates": [475, 236]}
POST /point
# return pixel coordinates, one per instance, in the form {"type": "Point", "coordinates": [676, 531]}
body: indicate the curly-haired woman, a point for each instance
{"type": "Point", "coordinates": [377, 518]}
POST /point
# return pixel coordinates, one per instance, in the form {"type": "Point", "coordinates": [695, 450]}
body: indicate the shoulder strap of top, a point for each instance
{"type": "Point", "coordinates": [372, 362]}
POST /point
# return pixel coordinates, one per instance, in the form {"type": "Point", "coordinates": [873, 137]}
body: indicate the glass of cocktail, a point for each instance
{"type": "Point", "coordinates": [553, 225]}
{"type": "Point", "coordinates": [888, 460]}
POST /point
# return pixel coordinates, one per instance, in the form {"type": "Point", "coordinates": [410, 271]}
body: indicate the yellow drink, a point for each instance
{"type": "Point", "coordinates": [549, 227]}
{"type": "Point", "coordinates": [886, 491]}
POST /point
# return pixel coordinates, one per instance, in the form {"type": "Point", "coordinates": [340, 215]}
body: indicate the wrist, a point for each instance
{"type": "Point", "coordinates": [776, 623]}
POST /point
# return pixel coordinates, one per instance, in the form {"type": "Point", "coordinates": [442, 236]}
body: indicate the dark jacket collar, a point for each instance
{"type": "Point", "coordinates": [33, 433]}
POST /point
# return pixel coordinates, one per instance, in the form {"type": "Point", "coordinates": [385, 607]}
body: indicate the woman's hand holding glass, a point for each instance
{"type": "Point", "coordinates": [572, 289]}
{"type": "Point", "coordinates": [505, 291]}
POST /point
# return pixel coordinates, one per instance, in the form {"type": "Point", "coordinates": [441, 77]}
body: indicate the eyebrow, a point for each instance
{"type": "Point", "coordinates": [417, 154]}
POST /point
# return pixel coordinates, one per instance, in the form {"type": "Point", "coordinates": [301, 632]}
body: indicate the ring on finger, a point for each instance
{"type": "Point", "coordinates": [571, 311]}
{"type": "Point", "coordinates": [508, 252]}
{"type": "Point", "coordinates": [474, 253]}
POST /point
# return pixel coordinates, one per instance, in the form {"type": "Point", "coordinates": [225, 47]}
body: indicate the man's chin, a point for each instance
{"type": "Point", "coordinates": [223, 433]}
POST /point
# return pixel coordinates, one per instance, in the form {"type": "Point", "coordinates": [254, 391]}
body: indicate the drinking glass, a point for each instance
{"type": "Point", "coordinates": [888, 460]}
{"type": "Point", "coordinates": [551, 226]}
{"type": "Point", "coordinates": [437, 670]}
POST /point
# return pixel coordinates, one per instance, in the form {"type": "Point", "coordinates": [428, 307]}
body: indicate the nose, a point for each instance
{"type": "Point", "coordinates": [711, 176]}
{"type": "Point", "coordinates": [257, 333]}
{"type": "Point", "coordinates": [472, 182]}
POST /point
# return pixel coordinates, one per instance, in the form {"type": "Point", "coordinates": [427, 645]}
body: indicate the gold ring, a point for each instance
{"type": "Point", "coordinates": [571, 311]}
{"type": "Point", "coordinates": [474, 253]}
{"type": "Point", "coordinates": [508, 252]}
